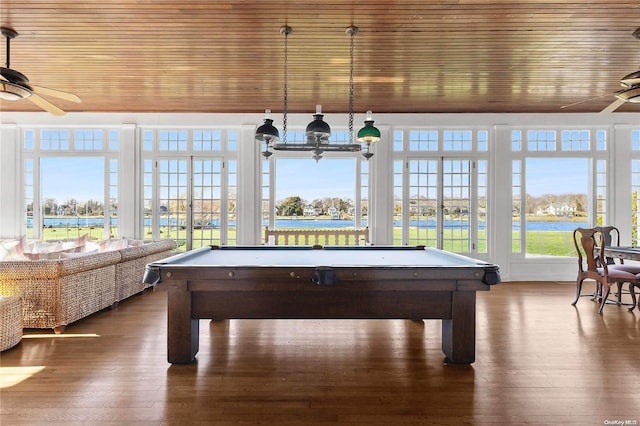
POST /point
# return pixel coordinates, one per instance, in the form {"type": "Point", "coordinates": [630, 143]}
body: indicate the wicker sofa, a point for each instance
{"type": "Point", "coordinates": [57, 292]}
{"type": "Point", "coordinates": [10, 322]}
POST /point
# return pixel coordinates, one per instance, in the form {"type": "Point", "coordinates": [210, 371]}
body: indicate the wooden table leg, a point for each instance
{"type": "Point", "coordinates": [183, 332]}
{"type": "Point", "coordinates": [459, 332]}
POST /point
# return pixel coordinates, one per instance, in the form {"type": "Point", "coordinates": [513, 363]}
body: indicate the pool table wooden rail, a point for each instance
{"type": "Point", "coordinates": [300, 278]}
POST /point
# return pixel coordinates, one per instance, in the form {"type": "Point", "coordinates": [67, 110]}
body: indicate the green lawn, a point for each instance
{"type": "Point", "coordinates": [550, 243]}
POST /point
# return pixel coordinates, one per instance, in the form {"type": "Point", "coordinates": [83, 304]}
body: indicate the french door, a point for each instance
{"type": "Point", "coordinates": [195, 201]}
{"type": "Point", "coordinates": [441, 202]}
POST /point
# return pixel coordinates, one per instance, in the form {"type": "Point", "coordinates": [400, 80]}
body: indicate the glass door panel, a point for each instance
{"type": "Point", "coordinates": [191, 202]}
{"type": "Point", "coordinates": [173, 203]}
{"type": "Point", "coordinates": [423, 208]}
{"type": "Point", "coordinates": [456, 205]}
{"type": "Point", "coordinates": [439, 204]}
{"type": "Point", "coordinates": [207, 202]}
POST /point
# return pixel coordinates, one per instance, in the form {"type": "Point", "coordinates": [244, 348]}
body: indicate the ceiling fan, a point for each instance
{"type": "Point", "coordinates": [15, 86]}
{"type": "Point", "coordinates": [630, 93]}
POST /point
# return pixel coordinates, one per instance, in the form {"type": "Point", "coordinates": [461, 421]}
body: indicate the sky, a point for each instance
{"type": "Point", "coordinates": [83, 178]}
{"type": "Point", "coordinates": [557, 176]}
{"type": "Point", "coordinates": [313, 180]}
{"type": "Point", "coordinates": [66, 178]}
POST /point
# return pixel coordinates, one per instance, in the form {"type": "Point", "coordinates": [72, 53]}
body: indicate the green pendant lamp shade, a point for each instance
{"type": "Point", "coordinates": [369, 133]}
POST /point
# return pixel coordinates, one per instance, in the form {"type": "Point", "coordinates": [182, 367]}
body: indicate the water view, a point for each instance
{"type": "Point", "coordinates": [98, 222]}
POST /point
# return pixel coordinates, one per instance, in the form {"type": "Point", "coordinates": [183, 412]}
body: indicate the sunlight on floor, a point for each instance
{"type": "Point", "coordinates": [11, 376]}
{"type": "Point", "coordinates": [57, 336]}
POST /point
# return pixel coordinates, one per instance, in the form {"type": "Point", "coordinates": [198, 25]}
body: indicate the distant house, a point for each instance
{"type": "Point", "coordinates": [334, 212]}
{"type": "Point", "coordinates": [309, 210]}
{"type": "Point", "coordinates": [563, 209]}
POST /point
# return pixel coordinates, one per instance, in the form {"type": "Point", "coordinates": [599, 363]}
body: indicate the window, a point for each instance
{"type": "Point", "coordinates": [190, 186]}
{"type": "Point", "coordinates": [299, 192]}
{"type": "Point", "coordinates": [440, 181]}
{"type": "Point", "coordinates": [64, 183]}
{"type": "Point", "coordinates": [558, 184]}
{"type": "Point", "coordinates": [311, 193]}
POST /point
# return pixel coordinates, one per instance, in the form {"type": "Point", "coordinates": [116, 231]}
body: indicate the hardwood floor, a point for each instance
{"type": "Point", "coordinates": [539, 361]}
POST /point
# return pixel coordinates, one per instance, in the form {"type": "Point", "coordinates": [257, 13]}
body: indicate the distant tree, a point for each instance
{"type": "Point", "coordinates": [318, 205]}
{"type": "Point", "coordinates": [49, 206]}
{"type": "Point", "coordinates": [71, 207]}
{"type": "Point", "coordinates": [344, 205]}
{"type": "Point", "coordinates": [94, 208]}
{"type": "Point", "coordinates": [291, 206]}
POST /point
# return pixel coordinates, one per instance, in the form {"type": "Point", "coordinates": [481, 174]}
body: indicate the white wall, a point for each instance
{"type": "Point", "coordinates": [499, 125]}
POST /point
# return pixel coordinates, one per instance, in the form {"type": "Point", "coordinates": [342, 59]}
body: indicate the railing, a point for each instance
{"type": "Point", "coordinates": [316, 237]}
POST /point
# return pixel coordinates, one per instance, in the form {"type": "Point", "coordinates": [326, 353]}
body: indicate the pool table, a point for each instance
{"type": "Point", "coordinates": [303, 282]}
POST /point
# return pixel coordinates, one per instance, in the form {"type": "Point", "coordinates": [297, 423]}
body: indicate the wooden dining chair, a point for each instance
{"type": "Point", "coordinates": [632, 291]}
{"type": "Point", "coordinates": [611, 236]}
{"type": "Point", "coordinates": [592, 264]}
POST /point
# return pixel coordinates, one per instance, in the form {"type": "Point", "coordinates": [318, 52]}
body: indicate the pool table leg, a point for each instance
{"type": "Point", "coordinates": [459, 332]}
{"type": "Point", "coordinates": [183, 331]}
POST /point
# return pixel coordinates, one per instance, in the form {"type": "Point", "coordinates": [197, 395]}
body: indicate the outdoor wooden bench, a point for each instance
{"type": "Point", "coordinates": [317, 237]}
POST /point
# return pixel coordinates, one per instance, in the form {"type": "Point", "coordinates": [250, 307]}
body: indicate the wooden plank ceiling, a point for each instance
{"type": "Point", "coordinates": [457, 56]}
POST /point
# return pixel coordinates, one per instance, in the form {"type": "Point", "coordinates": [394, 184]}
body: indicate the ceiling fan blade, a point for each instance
{"type": "Point", "coordinates": [583, 101]}
{"type": "Point", "coordinates": [45, 105]}
{"type": "Point", "coordinates": [55, 93]}
{"type": "Point", "coordinates": [631, 79]}
{"type": "Point", "coordinates": [613, 105]}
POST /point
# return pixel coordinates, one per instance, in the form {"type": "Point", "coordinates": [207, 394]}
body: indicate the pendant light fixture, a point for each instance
{"type": "Point", "coordinates": [368, 135]}
{"type": "Point", "coordinates": [318, 131]}
{"type": "Point", "coordinates": [268, 133]}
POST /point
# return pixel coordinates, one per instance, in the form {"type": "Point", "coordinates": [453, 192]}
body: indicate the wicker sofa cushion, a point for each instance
{"type": "Point", "coordinates": [12, 249]}
{"type": "Point", "coordinates": [106, 245]}
{"type": "Point", "coordinates": [21, 249]}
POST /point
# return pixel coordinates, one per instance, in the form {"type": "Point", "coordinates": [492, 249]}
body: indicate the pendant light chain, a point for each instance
{"type": "Point", "coordinates": [352, 32]}
{"type": "Point", "coordinates": [286, 31]}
